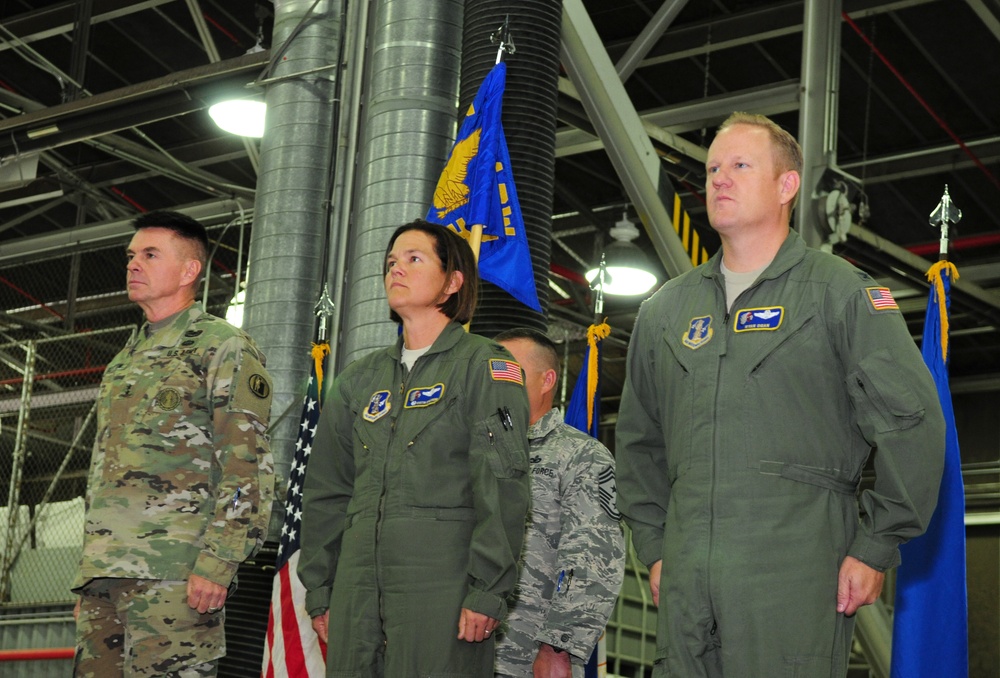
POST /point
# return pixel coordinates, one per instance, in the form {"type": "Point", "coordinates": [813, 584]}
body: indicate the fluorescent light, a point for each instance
{"type": "Point", "coordinates": [243, 117]}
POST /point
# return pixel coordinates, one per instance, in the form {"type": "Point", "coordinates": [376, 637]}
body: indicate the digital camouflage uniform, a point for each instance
{"type": "Point", "coordinates": [181, 483]}
{"type": "Point", "coordinates": [573, 558]}
{"type": "Point", "coordinates": [414, 507]}
{"type": "Point", "coordinates": [740, 443]}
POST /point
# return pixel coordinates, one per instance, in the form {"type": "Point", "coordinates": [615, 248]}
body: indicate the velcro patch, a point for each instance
{"type": "Point", "coordinates": [699, 333]}
{"type": "Point", "coordinates": [378, 406]}
{"type": "Point", "coordinates": [502, 369]}
{"type": "Point", "coordinates": [881, 299]}
{"type": "Point", "coordinates": [759, 319]}
{"type": "Point", "coordinates": [423, 396]}
{"type": "Point", "coordinates": [608, 493]}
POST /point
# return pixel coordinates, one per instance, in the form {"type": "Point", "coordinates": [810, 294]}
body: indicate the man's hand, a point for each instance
{"type": "Point", "coordinates": [552, 664]}
{"type": "Point", "coordinates": [654, 581]}
{"type": "Point", "coordinates": [857, 585]}
{"type": "Point", "coordinates": [204, 595]}
{"type": "Point", "coordinates": [474, 627]}
{"type": "Point", "coordinates": [321, 625]}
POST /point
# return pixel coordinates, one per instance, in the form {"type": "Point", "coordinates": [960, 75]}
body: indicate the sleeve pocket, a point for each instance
{"type": "Point", "coordinates": [504, 448]}
{"type": "Point", "coordinates": [882, 395]}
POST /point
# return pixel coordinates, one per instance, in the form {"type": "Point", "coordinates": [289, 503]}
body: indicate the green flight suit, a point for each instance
{"type": "Point", "coordinates": [414, 506]}
{"type": "Point", "coordinates": [741, 439]}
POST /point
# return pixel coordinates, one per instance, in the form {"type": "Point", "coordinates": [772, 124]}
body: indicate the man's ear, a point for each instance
{"type": "Point", "coordinates": [189, 276]}
{"type": "Point", "coordinates": [789, 182]}
{"type": "Point", "coordinates": [549, 380]}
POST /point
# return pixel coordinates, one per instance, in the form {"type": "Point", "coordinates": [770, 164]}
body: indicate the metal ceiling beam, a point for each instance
{"type": "Point", "coordinates": [648, 37]}
{"type": "Point", "coordinates": [58, 19]}
{"type": "Point", "coordinates": [673, 120]}
{"type": "Point", "coordinates": [65, 242]}
{"type": "Point", "coordinates": [921, 162]}
{"type": "Point", "coordinates": [618, 124]}
{"type": "Point", "coordinates": [985, 15]}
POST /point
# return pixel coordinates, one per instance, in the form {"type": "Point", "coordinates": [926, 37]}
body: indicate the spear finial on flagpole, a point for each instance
{"type": "Point", "coordinates": [944, 214]}
{"type": "Point", "coordinates": [501, 37]}
{"type": "Point", "coordinates": [603, 278]}
{"type": "Point", "coordinates": [324, 309]}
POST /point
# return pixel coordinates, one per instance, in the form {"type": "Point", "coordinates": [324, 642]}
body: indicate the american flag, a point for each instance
{"type": "Point", "coordinates": [881, 298]}
{"type": "Point", "coordinates": [506, 370]}
{"type": "Point", "coordinates": [292, 649]}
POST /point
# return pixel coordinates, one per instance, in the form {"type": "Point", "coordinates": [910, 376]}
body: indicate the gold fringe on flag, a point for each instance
{"type": "Point", "coordinates": [934, 276]}
{"type": "Point", "coordinates": [595, 333]}
{"type": "Point", "coordinates": [319, 352]}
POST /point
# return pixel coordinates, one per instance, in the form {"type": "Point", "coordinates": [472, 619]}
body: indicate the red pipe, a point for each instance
{"type": "Point", "coordinates": [56, 375]}
{"type": "Point", "coordinates": [969, 242]}
{"type": "Point", "coordinates": [899, 76]}
{"type": "Point", "coordinates": [35, 654]}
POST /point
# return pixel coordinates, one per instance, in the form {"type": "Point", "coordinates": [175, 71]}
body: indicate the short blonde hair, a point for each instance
{"type": "Point", "coordinates": [787, 151]}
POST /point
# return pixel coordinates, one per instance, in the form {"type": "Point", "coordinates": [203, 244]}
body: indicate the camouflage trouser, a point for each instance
{"type": "Point", "coordinates": [144, 627]}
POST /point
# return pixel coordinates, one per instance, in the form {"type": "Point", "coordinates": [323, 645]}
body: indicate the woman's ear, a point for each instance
{"type": "Point", "coordinates": [455, 284]}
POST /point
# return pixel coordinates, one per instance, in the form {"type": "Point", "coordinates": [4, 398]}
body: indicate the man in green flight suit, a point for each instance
{"type": "Point", "coordinates": [757, 386]}
{"type": "Point", "coordinates": [181, 479]}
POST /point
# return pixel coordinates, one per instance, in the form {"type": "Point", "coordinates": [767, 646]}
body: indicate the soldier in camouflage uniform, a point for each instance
{"type": "Point", "coordinates": [181, 479]}
{"type": "Point", "coordinates": [573, 559]}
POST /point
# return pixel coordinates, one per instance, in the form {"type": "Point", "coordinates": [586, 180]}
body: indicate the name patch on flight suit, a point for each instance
{"type": "Point", "coordinates": [881, 299]}
{"type": "Point", "coordinates": [700, 332]}
{"type": "Point", "coordinates": [423, 396]}
{"type": "Point", "coordinates": [378, 406]}
{"type": "Point", "coordinates": [757, 319]}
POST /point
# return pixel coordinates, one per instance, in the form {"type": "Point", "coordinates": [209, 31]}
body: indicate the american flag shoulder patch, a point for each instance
{"type": "Point", "coordinates": [502, 369]}
{"type": "Point", "coordinates": [881, 299]}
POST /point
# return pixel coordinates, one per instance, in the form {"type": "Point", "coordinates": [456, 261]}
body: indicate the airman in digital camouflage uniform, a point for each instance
{"type": "Point", "coordinates": [181, 479]}
{"type": "Point", "coordinates": [573, 559]}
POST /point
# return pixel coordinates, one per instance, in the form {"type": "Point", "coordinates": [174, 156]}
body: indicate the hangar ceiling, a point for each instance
{"type": "Point", "coordinates": [100, 124]}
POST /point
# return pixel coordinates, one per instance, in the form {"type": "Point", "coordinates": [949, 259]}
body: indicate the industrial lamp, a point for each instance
{"type": "Point", "coordinates": [243, 117]}
{"type": "Point", "coordinates": [626, 266]}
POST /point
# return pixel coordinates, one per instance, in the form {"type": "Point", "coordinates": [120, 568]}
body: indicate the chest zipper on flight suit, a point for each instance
{"type": "Point", "coordinates": [382, 499]}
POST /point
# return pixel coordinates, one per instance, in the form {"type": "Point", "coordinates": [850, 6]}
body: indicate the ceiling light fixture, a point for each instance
{"type": "Point", "coordinates": [626, 266]}
{"type": "Point", "coordinates": [243, 117]}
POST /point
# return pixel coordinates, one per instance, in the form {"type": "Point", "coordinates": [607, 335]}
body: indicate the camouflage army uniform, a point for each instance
{"type": "Point", "coordinates": [181, 483]}
{"type": "Point", "coordinates": [573, 559]}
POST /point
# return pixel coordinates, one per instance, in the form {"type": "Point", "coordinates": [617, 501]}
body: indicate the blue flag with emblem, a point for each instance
{"type": "Point", "coordinates": [582, 413]}
{"type": "Point", "coordinates": [477, 187]}
{"type": "Point", "coordinates": [930, 625]}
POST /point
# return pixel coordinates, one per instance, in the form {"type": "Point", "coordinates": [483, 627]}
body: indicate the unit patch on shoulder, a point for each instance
{"type": "Point", "coordinates": [378, 406]}
{"type": "Point", "coordinates": [423, 396]}
{"type": "Point", "coordinates": [259, 386]}
{"type": "Point", "coordinates": [881, 299]}
{"type": "Point", "coordinates": [699, 333]}
{"type": "Point", "coordinates": [502, 369]}
{"type": "Point", "coordinates": [757, 319]}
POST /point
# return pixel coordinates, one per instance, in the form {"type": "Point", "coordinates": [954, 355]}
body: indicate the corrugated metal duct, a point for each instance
{"type": "Point", "coordinates": [409, 127]}
{"type": "Point", "coordinates": [529, 120]}
{"type": "Point", "coordinates": [289, 231]}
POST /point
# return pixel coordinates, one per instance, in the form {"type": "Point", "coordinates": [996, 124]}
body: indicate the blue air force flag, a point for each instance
{"type": "Point", "coordinates": [930, 635]}
{"type": "Point", "coordinates": [477, 187]}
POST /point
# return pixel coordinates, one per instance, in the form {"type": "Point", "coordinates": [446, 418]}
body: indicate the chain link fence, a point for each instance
{"type": "Point", "coordinates": [62, 319]}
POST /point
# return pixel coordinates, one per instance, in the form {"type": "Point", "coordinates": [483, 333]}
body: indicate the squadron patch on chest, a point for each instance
{"type": "Point", "coordinates": [378, 406]}
{"type": "Point", "coordinates": [167, 400]}
{"type": "Point", "coordinates": [758, 319]}
{"type": "Point", "coordinates": [699, 333]}
{"type": "Point", "coordinates": [423, 396]}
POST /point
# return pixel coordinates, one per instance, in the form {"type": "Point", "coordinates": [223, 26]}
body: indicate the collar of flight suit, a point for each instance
{"type": "Point", "coordinates": [449, 336]}
{"type": "Point", "coordinates": [791, 252]}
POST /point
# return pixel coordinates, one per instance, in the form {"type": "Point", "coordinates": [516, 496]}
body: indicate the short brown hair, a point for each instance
{"type": "Point", "coordinates": [455, 255]}
{"type": "Point", "coordinates": [787, 151]}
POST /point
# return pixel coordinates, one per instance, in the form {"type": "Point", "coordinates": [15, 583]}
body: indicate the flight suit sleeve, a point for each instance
{"type": "Point", "coordinates": [591, 553]}
{"type": "Point", "coordinates": [642, 479]}
{"type": "Point", "coordinates": [498, 461]}
{"type": "Point", "coordinates": [240, 392]}
{"type": "Point", "coordinates": [328, 488]}
{"type": "Point", "coordinates": [897, 410]}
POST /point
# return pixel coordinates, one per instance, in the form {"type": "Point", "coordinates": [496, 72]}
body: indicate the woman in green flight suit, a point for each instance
{"type": "Point", "coordinates": [414, 503]}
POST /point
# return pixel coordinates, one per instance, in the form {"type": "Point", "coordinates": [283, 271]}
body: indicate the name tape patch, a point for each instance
{"type": "Point", "coordinates": [423, 396]}
{"type": "Point", "coordinates": [759, 319]}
